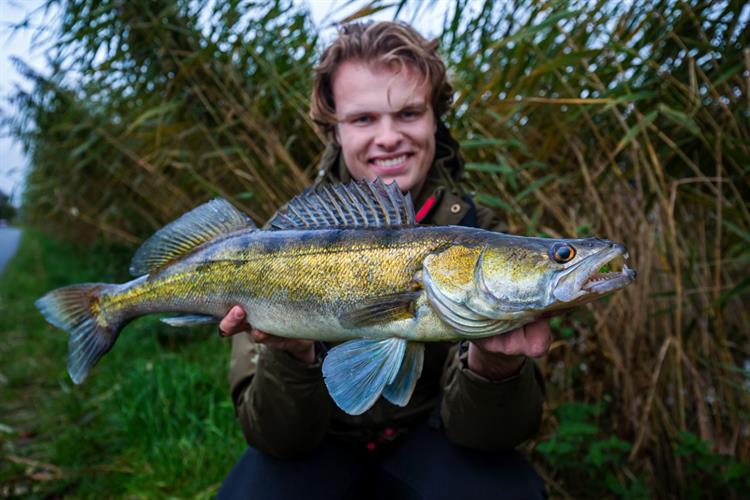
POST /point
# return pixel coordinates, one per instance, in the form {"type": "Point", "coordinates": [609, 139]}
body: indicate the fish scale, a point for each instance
{"type": "Point", "coordinates": [349, 265]}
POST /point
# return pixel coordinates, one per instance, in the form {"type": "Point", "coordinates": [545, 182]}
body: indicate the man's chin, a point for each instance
{"type": "Point", "coordinates": [404, 181]}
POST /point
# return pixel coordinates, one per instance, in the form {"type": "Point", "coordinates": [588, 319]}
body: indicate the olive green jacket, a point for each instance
{"type": "Point", "coordinates": [284, 408]}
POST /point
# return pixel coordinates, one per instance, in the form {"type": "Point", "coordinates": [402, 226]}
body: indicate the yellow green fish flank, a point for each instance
{"type": "Point", "coordinates": [345, 264]}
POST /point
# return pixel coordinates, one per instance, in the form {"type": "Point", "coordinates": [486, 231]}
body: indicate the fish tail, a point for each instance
{"type": "Point", "coordinates": [76, 309]}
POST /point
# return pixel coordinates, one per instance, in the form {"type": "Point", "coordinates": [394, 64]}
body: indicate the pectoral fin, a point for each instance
{"type": "Point", "coordinates": [383, 309]}
{"type": "Point", "coordinates": [189, 320]}
{"type": "Point", "coordinates": [356, 372]}
{"type": "Point", "coordinates": [399, 391]}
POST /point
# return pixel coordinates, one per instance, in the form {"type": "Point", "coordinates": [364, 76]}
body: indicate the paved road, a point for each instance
{"type": "Point", "coordinates": [9, 237]}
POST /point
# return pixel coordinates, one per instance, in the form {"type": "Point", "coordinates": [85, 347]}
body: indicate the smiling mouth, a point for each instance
{"type": "Point", "coordinates": [390, 162]}
{"type": "Point", "coordinates": [610, 275]}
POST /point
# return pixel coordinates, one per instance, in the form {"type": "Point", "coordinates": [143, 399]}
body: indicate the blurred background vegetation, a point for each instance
{"type": "Point", "coordinates": [626, 120]}
{"type": "Point", "coordinates": [7, 210]}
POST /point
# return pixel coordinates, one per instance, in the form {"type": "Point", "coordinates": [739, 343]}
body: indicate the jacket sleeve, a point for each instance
{"type": "Point", "coordinates": [281, 403]}
{"type": "Point", "coordinates": [486, 415]}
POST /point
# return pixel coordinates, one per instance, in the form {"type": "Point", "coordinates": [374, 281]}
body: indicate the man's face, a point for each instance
{"type": "Point", "coordinates": [386, 126]}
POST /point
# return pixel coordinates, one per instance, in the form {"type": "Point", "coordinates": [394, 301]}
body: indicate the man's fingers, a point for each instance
{"type": "Point", "coordinates": [531, 340]}
{"type": "Point", "coordinates": [259, 336]}
{"type": "Point", "coordinates": [273, 341]}
{"type": "Point", "coordinates": [283, 343]}
{"type": "Point", "coordinates": [233, 322]}
{"type": "Point", "coordinates": [509, 343]}
{"type": "Point", "coordinates": [538, 337]}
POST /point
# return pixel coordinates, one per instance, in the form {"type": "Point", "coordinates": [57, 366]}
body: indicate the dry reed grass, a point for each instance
{"type": "Point", "coordinates": [578, 119]}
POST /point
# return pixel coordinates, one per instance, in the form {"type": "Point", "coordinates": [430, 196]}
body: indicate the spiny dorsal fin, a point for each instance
{"type": "Point", "coordinates": [357, 204]}
{"type": "Point", "coordinates": [186, 233]}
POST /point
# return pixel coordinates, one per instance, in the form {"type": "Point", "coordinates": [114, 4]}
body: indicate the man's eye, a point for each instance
{"type": "Point", "coordinates": [410, 114]}
{"type": "Point", "coordinates": [362, 120]}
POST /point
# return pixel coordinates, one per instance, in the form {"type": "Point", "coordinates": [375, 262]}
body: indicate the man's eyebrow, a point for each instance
{"type": "Point", "coordinates": [414, 105]}
{"type": "Point", "coordinates": [354, 114]}
{"type": "Point", "coordinates": [418, 105]}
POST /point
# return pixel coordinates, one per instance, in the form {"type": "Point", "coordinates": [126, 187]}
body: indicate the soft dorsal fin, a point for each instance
{"type": "Point", "coordinates": [186, 233]}
{"type": "Point", "coordinates": [357, 204]}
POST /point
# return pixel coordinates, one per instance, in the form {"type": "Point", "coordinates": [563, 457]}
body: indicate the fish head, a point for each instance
{"type": "Point", "coordinates": [601, 270]}
{"type": "Point", "coordinates": [533, 275]}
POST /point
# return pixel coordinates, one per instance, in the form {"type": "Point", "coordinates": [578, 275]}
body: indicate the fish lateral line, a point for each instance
{"type": "Point", "coordinates": [451, 283]}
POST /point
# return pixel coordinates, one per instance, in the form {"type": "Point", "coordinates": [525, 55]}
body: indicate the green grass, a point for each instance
{"type": "Point", "coordinates": [627, 122]}
{"type": "Point", "coordinates": [153, 419]}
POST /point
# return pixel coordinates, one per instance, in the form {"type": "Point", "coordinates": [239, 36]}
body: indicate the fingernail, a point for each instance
{"type": "Point", "coordinates": [239, 314]}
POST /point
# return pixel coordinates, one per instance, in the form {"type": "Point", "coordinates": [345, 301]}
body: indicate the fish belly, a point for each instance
{"type": "Point", "coordinates": [294, 320]}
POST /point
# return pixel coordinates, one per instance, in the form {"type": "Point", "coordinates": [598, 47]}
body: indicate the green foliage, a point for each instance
{"type": "Point", "coordinates": [710, 471]}
{"type": "Point", "coordinates": [155, 421]}
{"type": "Point", "coordinates": [561, 329]}
{"type": "Point", "coordinates": [172, 100]}
{"type": "Point", "coordinates": [614, 119]}
{"type": "Point", "coordinates": [583, 450]}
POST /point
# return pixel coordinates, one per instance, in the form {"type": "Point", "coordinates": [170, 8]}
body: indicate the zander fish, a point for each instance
{"type": "Point", "coordinates": [345, 264]}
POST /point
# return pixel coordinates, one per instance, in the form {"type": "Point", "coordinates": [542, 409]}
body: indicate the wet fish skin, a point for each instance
{"type": "Point", "coordinates": [298, 283]}
{"type": "Point", "coordinates": [360, 272]}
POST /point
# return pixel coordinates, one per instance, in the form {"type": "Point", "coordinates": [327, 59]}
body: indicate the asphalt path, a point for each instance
{"type": "Point", "coordinates": [9, 237]}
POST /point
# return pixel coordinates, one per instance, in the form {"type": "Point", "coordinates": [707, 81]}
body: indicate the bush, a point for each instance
{"type": "Point", "coordinates": [627, 121]}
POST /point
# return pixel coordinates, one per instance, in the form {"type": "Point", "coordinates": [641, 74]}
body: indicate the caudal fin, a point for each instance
{"type": "Point", "coordinates": [76, 310]}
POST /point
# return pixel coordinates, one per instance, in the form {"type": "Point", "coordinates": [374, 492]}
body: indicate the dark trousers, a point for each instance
{"type": "Point", "coordinates": [422, 465]}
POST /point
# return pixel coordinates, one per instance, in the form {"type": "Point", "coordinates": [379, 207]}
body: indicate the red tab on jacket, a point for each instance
{"type": "Point", "coordinates": [425, 209]}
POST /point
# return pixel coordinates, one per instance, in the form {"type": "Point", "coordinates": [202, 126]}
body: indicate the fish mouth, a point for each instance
{"type": "Point", "coordinates": [611, 272]}
{"type": "Point", "coordinates": [601, 273]}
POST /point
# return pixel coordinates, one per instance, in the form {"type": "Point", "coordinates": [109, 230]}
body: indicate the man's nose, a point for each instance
{"type": "Point", "coordinates": [388, 135]}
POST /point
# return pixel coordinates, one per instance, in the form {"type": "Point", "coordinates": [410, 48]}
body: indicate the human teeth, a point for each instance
{"type": "Point", "coordinates": [390, 162]}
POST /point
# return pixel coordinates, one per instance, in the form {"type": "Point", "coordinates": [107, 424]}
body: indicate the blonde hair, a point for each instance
{"type": "Point", "coordinates": [387, 43]}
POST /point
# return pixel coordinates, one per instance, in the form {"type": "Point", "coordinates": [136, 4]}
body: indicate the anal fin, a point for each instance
{"type": "Point", "coordinates": [189, 320]}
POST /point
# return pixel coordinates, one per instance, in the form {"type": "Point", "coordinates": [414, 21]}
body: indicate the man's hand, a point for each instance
{"type": "Point", "coordinates": [502, 356]}
{"type": "Point", "coordinates": [234, 322]}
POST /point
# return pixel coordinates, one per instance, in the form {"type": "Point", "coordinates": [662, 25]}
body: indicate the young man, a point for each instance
{"type": "Point", "coordinates": [378, 96]}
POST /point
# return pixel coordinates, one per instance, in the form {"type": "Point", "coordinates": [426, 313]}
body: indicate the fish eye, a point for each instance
{"type": "Point", "coordinates": [562, 253]}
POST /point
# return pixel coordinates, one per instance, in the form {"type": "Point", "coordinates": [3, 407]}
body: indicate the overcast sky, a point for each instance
{"type": "Point", "coordinates": [19, 44]}
{"type": "Point", "coordinates": [27, 45]}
